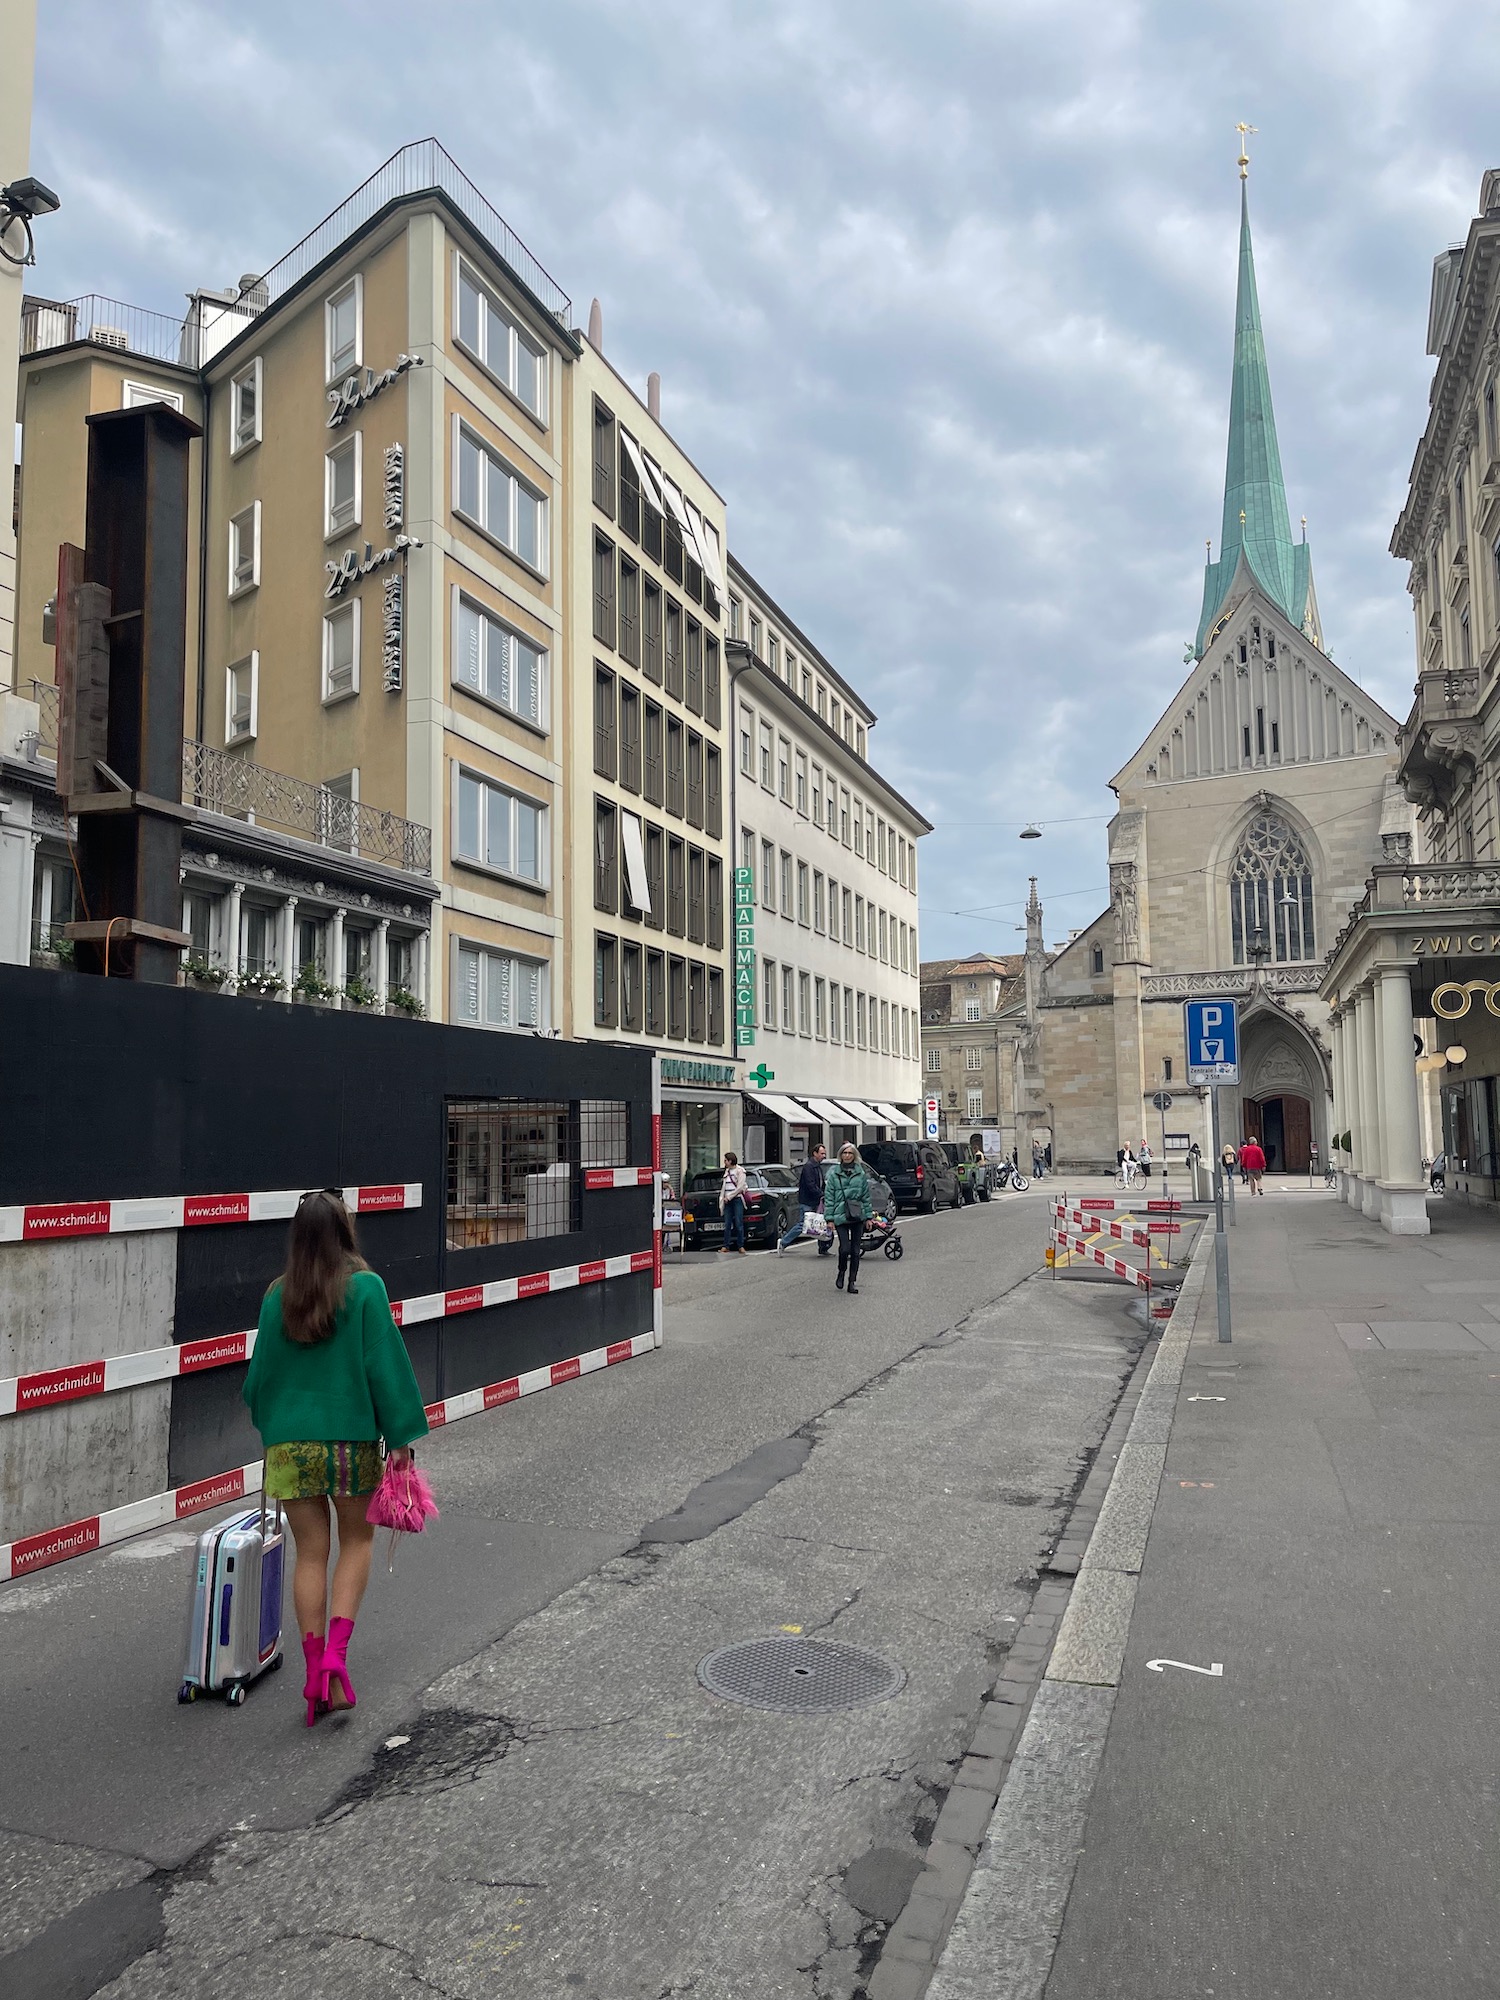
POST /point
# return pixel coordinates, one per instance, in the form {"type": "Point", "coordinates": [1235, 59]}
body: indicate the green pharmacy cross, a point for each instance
{"type": "Point", "coordinates": [760, 1076]}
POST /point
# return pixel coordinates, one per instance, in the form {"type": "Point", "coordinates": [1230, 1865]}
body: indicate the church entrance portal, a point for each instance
{"type": "Point", "coordinates": [1283, 1125]}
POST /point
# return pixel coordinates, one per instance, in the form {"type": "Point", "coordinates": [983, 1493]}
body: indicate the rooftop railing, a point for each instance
{"type": "Point", "coordinates": [107, 323]}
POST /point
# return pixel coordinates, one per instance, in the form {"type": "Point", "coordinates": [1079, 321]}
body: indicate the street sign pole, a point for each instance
{"type": "Point", "coordinates": [1221, 1241]}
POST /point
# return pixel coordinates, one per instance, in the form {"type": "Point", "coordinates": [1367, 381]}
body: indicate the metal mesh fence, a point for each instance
{"type": "Point", "coordinates": [512, 1170]}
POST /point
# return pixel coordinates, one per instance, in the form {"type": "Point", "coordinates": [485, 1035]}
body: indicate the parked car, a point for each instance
{"type": "Point", "coordinates": [918, 1170]}
{"type": "Point", "coordinates": [770, 1204]}
{"type": "Point", "coordinates": [975, 1174]}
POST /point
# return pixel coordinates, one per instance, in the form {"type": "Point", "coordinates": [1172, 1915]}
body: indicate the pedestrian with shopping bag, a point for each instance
{"type": "Point", "coordinates": [809, 1204]}
{"type": "Point", "coordinates": [329, 1378]}
{"type": "Point", "coordinates": [732, 1191]}
{"type": "Point", "coordinates": [847, 1202]}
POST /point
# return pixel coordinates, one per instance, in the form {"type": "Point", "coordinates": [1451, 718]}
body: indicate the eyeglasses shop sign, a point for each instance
{"type": "Point", "coordinates": [744, 958]}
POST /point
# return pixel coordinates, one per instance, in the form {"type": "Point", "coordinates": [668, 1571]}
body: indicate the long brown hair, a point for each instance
{"type": "Point", "coordinates": [321, 1254]}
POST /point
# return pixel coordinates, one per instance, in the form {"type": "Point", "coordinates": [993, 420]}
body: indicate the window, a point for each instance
{"type": "Point", "coordinates": [747, 717]}
{"type": "Point", "coordinates": [604, 590]}
{"type": "Point", "coordinates": [676, 799]}
{"type": "Point", "coordinates": [651, 781]}
{"type": "Point", "coordinates": [499, 829]}
{"type": "Point", "coordinates": [676, 886]}
{"type": "Point", "coordinates": [337, 820]}
{"type": "Point", "coordinates": [804, 1003]}
{"type": "Point", "coordinates": [673, 660]}
{"type": "Point", "coordinates": [711, 700]}
{"type": "Point", "coordinates": [693, 667]}
{"type": "Point", "coordinates": [974, 1106]}
{"type": "Point", "coordinates": [804, 893]}
{"type": "Point", "coordinates": [656, 993]}
{"type": "Point", "coordinates": [696, 895]}
{"type": "Point", "coordinates": [497, 342]}
{"type": "Point", "coordinates": [1166, 1069]}
{"type": "Point", "coordinates": [833, 909]}
{"type": "Point", "coordinates": [767, 875]}
{"type": "Point", "coordinates": [1270, 894]}
{"type": "Point", "coordinates": [651, 631]}
{"type": "Point", "coordinates": [630, 485]}
{"type": "Point", "coordinates": [973, 1059]}
{"type": "Point", "coordinates": [768, 993]}
{"type": "Point", "coordinates": [244, 408]}
{"type": "Point", "coordinates": [788, 1001]}
{"type": "Point", "coordinates": [358, 956]}
{"type": "Point", "coordinates": [820, 1008]}
{"type": "Point", "coordinates": [884, 939]}
{"type": "Point", "coordinates": [747, 851]}
{"type": "Point", "coordinates": [341, 652]}
{"type": "Point", "coordinates": [755, 630]}
{"type": "Point", "coordinates": [1260, 732]}
{"type": "Point", "coordinates": [630, 612]}
{"type": "Point", "coordinates": [784, 771]}
{"type": "Point", "coordinates": [844, 815]}
{"type": "Point", "coordinates": [859, 1018]}
{"type": "Point", "coordinates": [849, 917]}
{"type": "Point", "coordinates": [885, 1024]}
{"type": "Point", "coordinates": [736, 617]}
{"type": "Point", "coordinates": [1275, 739]}
{"type": "Point", "coordinates": [606, 982]}
{"type": "Point", "coordinates": [52, 903]}
{"type": "Point", "coordinates": [1245, 737]}
{"type": "Point", "coordinates": [801, 793]}
{"type": "Point", "coordinates": [766, 748]}
{"type": "Point", "coordinates": [677, 999]}
{"type": "Point", "coordinates": [786, 884]}
{"type": "Point", "coordinates": [341, 485]}
{"type": "Point", "coordinates": [834, 719]}
{"type": "Point", "coordinates": [604, 722]}
{"type": "Point", "coordinates": [242, 699]}
{"type": "Point", "coordinates": [817, 794]}
{"type": "Point", "coordinates": [512, 1168]}
{"type": "Point", "coordinates": [244, 550]}
{"type": "Point", "coordinates": [1491, 438]}
{"type": "Point", "coordinates": [1465, 640]}
{"type": "Point", "coordinates": [859, 739]}
{"type": "Point", "coordinates": [807, 687]}
{"type": "Point", "coordinates": [630, 738]}
{"type": "Point", "coordinates": [197, 919]}
{"type": "Point", "coordinates": [817, 900]}
{"type": "Point", "coordinates": [713, 792]}
{"type": "Point", "coordinates": [715, 902]}
{"type": "Point", "coordinates": [606, 856]}
{"type": "Point", "coordinates": [140, 395]}
{"type": "Point", "coordinates": [1096, 960]}
{"type": "Point", "coordinates": [833, 1012]}
{"type": "Point", "coordinates": [498, 665]}
{"type": "Point", "coordinates": [822, 701]}
{"type": "Point", "coordinates": [934, 1059]}
{"type": "Point", "coordinates": [343, 320]}
{"type": "Point", "coordinates": [604, 460]}
{"type": "Point", "coordinates": [859, 923]}
{"type": "Point", "coordinates": [773, 654]}
{"type": "Point", "coordinates": [694, 778]}
{"type": "Point", "coordinates": [257, 931]}
{"type": "Point", "coordinates": [656, 878]}
{"type": "Point", "coordinates": [715, 1005]}
{"type": "Point", "coordinates": [971, 1010]}
{"type": "Point", "coordinates": [697, 1003]}
{"type": "Point", "coordinates": [494, 497]}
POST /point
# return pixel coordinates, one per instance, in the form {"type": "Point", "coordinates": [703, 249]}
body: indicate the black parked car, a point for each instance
{"type": "Point", "coordinates": [770, 1204]}
{"type": "Point", "coordinates": [919, 1172]}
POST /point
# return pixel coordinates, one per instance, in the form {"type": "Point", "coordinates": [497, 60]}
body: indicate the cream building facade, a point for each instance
{"type": "Point", "coordinates": [1247, 824]}
{"type": "Point", "coordinates": [1413, 980]}
{"type": "Point", "coordinates": [826, 948]}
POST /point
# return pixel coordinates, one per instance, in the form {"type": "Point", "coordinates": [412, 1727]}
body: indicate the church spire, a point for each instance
{"type": "Point", "coordinates": [1256, 529]}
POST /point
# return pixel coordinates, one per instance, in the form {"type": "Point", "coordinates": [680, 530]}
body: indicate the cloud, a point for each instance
{"type": "Point", "coordinates": [941, 296]}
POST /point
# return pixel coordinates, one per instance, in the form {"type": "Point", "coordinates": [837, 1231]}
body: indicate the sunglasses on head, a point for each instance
{"type": "Point", "coordinates": [337, 1193]}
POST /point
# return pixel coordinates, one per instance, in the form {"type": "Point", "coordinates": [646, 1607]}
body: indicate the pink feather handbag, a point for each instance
{"type": "Point", "coordinates": [402, 1502]}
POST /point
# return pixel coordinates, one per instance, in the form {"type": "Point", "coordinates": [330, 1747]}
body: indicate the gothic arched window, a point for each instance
{"type": "Point", "coordinates": [1271, 894]}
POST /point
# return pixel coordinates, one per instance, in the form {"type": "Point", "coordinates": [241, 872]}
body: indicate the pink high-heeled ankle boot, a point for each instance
{"type": "Point", "coordinates": [334, 1665]}
{"type": "Point", "coordinates": [312, 1687]}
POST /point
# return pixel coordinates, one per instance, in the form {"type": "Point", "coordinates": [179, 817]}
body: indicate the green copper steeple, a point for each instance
{"type": "Point", "coordinates": [1256, 530]}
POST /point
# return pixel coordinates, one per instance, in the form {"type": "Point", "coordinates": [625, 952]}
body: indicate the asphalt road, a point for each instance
{"type": "Point", "coordinates": [535, 1796]}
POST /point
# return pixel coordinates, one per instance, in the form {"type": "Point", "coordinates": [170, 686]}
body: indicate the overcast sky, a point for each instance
{"type": "Point", "coordinates": [941, 293]}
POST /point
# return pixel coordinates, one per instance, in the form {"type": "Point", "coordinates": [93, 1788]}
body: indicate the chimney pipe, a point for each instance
{"type": "Point", "coordinates": [653, 395]}
{"type": "Point", "coordinates": [596, 326]}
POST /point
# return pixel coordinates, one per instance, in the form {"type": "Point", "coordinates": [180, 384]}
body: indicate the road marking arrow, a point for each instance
{"type": "Point", "coordinates": [1215, 1672]}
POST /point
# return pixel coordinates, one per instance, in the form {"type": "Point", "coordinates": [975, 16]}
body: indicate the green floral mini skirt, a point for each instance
{"type": "Point", "coordinates": [333, 1469]}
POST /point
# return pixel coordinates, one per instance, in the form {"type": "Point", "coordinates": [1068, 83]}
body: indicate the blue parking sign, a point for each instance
{"type": "Point", "coordinates": [1213, 1041]}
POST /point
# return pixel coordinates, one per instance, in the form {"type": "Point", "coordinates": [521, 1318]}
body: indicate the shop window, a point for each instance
{"type": "Point", "coordinates": [512, 1171]}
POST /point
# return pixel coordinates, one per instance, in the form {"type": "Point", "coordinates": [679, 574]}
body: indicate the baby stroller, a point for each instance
{"type": "Point", "coordinates": [881, 1231]}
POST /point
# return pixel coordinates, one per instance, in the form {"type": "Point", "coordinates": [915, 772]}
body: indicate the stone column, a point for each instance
{"type": "Point", "coordinates": [421, 970]}
{"type": "Point", "coordinates": [1369, 1102]}
{"type": "Point", "coordinates": [336, 953]}
{"type": "Point", "coordinates": [1403, 1198]}
{"type": "Point", "coordinates": [288, 942]}
{"type": "Point", "coordinates": [378, 969]}
{"type": "Point", "coordinates": [1340, 1094]}
{"type": "Point", "coordinates": [232, 942]}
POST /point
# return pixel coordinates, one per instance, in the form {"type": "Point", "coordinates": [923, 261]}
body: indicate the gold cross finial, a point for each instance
{"type": "Point", "coordinates": [1243, 162]}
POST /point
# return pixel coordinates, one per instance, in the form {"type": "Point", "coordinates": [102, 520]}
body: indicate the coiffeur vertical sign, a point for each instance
{"type": "Point", "coordinates": [744, 957]}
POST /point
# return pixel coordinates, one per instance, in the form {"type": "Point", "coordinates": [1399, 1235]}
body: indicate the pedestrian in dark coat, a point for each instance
{"type": "Point", "coordinates": [847, 1201]}
{"type": "Point", "coordinates": [809, 1200]}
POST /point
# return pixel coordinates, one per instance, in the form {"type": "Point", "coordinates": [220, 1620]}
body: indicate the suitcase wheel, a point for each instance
{"type": "Point", "coordinates": [234, 1694]}
{"type": "Point", "coordinates": [188, 1691]}
{"type": "Point", "coordinates": [275, 1666]}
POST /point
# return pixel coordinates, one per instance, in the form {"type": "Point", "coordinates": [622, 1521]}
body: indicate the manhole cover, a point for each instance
{"type": "Point", "coordinates": [799, 1676]}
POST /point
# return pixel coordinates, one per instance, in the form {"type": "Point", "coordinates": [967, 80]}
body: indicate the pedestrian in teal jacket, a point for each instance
{"type": "Point", "coordinates": [847, 1202]}
{"type": "Point", "coordinates": [329, 1378]}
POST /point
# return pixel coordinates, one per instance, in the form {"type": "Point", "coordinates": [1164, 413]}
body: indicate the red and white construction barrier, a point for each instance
{"type": "Point", "coordinates": [1091, 1252]}
{"type": "Point", "coordinates": [1118, 1230]}
{"type": "Point", "coordinates": [47, 1221]}
{"type": "Point", "coordinates": [618, 1177]}
{"type": "Point", "coordinates": [98, 1377]}
{"type": "Point", "coordinates": [160, 1510]}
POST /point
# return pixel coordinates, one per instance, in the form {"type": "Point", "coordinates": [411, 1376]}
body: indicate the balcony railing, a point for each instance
{"type": "Point", "coordinates": [218, 781]}
{"type": "Point", "coordinates": [1448, 694]}
{"type": "Point", "coordinates": [106, 322]}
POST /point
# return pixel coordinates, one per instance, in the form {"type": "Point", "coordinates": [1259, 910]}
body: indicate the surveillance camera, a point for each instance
{"type": "Point", "coordinates": [30, 197]}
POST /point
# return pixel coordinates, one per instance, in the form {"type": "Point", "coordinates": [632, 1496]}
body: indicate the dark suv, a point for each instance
{"type": "Point", "coordinates": [919, 1173]}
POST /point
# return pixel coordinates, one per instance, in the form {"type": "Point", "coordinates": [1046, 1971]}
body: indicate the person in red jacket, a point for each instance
{"type": "Point", "coordinates": [1253, 1160]}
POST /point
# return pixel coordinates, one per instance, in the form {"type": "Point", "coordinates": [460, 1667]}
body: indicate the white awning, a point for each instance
{"type": "Point", "coordinates": [891, 1116]}
{"type": "Point", "coordinates": [674, 501]}
{"type": "Point", "coordinates": [637, 882]}
{"type": "Point", "coordinates": [783, 1107]}
{"type": "Point", "coordinates": [708, 542]}
{"type": "Point", "coordinates": [829, 1113]}
{"type": "Point", "coordinates": [860, 1112]}
{"type": "Point", "coordinates": [642, 473]}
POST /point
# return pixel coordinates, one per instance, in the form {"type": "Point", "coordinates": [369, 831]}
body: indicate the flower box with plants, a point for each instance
{"type": "Point", "coordinates": [400, 1000]}
{"type": "Point", "coordinates": [262, 985]}
{"type": "Point", "coordinates": [359, 993]}
{"type": "Point", "coordinates": [200, 972]}
{"type": "Point", "coordinates": [310, 985]}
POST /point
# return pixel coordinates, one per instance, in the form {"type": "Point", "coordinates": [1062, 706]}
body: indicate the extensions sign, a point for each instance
{"type": "Point", "coordinates": [744, 958]}
{"type": "Point", "coordinates": [349, 569]}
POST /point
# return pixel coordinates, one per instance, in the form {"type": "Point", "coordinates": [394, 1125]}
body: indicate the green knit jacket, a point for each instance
{"type": "Point", "coordinates": [355, 1386]}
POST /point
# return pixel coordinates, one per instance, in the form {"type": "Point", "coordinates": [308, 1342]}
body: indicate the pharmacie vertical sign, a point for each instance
{"type": "Point", "coordinates": [744, 957]}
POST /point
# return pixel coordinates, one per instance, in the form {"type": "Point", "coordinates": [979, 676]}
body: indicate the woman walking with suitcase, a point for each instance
{"type": "Point", "coordinates": [329, 1377]}
{"type": "Point", "coordinates": [846, 1203]}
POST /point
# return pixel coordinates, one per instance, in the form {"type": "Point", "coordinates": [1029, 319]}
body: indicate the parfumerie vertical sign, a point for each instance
{"type": "Point", "coordinates": [744, 957]}
{"type": "Point", "coordinates": [395, 583]}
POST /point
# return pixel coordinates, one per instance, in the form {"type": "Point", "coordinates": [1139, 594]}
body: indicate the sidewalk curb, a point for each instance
{"type": "Point", "coordinates": [1026, 1718]}
{"type": "Point", "coordinates": [984, 1918]}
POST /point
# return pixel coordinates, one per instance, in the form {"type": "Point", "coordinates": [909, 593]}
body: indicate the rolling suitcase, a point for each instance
{"type": "Point", "coordinates": [234, 1615]}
